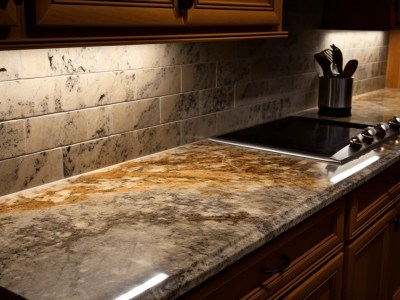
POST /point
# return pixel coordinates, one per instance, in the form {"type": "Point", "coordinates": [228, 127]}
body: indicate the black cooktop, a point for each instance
{"type": "Point", "coordinates": [307, 135]}
{"type": "Point", "coordinates": [322, 139]}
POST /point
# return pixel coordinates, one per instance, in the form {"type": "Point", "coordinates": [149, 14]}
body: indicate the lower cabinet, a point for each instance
{"type": "Point", "coordinates": [394, 257]}
{"type": "Point", "coordinates": [325, 284]}
{"type": "Point", "coordinates": [366, 264]}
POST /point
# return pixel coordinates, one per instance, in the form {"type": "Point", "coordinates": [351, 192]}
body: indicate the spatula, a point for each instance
{"type": "Point", "coordinates": [337, 59]}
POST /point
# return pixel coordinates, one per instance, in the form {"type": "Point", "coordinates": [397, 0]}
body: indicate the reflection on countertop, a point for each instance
{"type": "Point", "coordinates": [185, 213]}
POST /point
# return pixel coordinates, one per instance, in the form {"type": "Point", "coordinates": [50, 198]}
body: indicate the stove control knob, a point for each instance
{"type": "Point", "coordinates": [395, 122]}
{"type": "Point", "coordinates": [356, 142]}
{"type": "Point", "coordinates": [381, 129]}
{"type": "Point", "coordinates": [368, 134]}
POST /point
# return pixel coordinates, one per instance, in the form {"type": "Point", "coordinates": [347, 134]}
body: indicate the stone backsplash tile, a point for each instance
{"type": "Point", "coordinates": [181, 53]}
{"type": "Point", "coordinates": [180, 107]}
{"type": "Point", "coordinates": [198, 128]}
{"type": "Point", "coordinates": [230, 73]}
{"type": "Point", "coordinates": [158, 82]}
{"type": "Point", "coordinates": [135, 115]}
{"type": "Point", "coordinates": [70, 61]}
{"type": "Point", "coordinates": [238, 118]}
{"type": "Point", "coordinates": [198, 77]}
{"type": "Point", "coordinates": [99, 122]}
{"type": "Point", "coordinates": [156, 139]}
{"type": "Point", "coordinates": [214, 100]}
{"type": "Point", "coordinates": [34, 97]}
{"type": "Point", "coordinates": [85, 157]}
{"type": "Point", "coordinates": [12, 137]}
{"type": "Point", "coordinates": [56, 130]}
{"type": "Point", "coordinates": [31, 170]}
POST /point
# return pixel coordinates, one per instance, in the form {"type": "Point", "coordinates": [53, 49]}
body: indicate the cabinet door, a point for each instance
{"type": "Point", "coordinates": [325, 284]}
{"type": "Point", "coordinates": [8, 14]}
{"type": "Point", "coordinates": [366, 263]}
{"type": "Point", "coordinates": [235, 13]}
{"type": "Point", "coordinates": [103, 13]}
{"type": "Point", "coordinates": [394, 258]}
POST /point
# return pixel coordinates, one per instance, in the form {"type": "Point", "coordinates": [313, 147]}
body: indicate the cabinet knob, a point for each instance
{"type": "Point", "coordinates": [184, 5]}
{"type": "Point", "coordinates": [285, 264]}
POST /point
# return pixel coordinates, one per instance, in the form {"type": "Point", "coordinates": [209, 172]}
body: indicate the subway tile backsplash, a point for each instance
{"type": "Point", "coordinates": [68, 111]}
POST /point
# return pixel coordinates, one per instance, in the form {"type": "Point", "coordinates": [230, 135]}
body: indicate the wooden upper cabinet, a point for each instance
{"type": "Point", "coordinates": [8, 14]}
{"type": "Point", "coordinates": [100, 13]}
{"type": "Point", "coordinates": [49, 23]}
{"type": "Point", "coordinates": [361, 14]}
{"type": "Point", "coordinates": [235, 12]}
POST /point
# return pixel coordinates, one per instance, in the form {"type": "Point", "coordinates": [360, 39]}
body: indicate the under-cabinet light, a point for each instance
{"type": "Point", "coordinates": [143, 287]}
{"type": "Point", "coordinates": [355, 169]}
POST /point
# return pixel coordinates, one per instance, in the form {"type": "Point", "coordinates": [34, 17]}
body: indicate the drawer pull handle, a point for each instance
{"type": "Point", "coordinates": [285, 264]}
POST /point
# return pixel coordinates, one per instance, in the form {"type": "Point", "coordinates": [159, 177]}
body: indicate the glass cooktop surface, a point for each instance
{"type": "Point", "coordinates": [297, 135]}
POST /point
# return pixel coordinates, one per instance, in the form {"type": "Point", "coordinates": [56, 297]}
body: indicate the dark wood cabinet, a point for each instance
{"type": "Point", "coordinates": [366, 264]}
{"type": "Point", "coordinates": [95, 13]}
{"type": "Point", "coordinates": [8, 14]}
{"type": "Point", "coordinates": [325, 284]}
{"type": "Point", "coordinates": [394, 257]}
{"type": "Point", "coordinates": [361, 14]}
{"type": "Point", "coordinates": [50, 23]}
{"type": "Point", "coordinates": [372, 257]}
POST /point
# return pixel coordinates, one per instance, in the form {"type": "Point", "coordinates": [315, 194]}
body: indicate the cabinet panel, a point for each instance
{"type": "Point", "coordinates": [106, 13]}
{"type": "Point", "coordinates": [366, 264]}
{"type": "Point", "coordinates": [235, 13]}
{"type": "Point", "coordinates": [238, 4]}
{"type": "Point", "coordinates": [359, 14]}
{"type": "Point", "coordinates": [367, 203]}
{"type": "Point", "coordinates": [394, 258]}
{"type": "Point", "coordinates": [325, 284]}
{"type": "Point", "coordinates": [8, 15]}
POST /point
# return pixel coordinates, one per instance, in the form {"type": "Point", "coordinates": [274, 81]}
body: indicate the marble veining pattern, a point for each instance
{"type": "Point", "coordinates": [96, 154]}
{"type": "Point", "coordinates": [158, 82]}
{"type": "Point", "coordinates": [176, 212]}
{"type": "Point", "coordinates": [56, 130]}
{"type": "Point", "coordinates": [30, 170]}
{"type": "Point", "coordinates": [233, 72]}
{"type": "Point", "coordinates": [135, 115]}
{"type": "Point", "coordinates": [198, 128]}
{"type": "Point", "coordinates": [36, 63]}
{"type": "Point", "coordinates": [215, 100]}
{"type": "Point", "coordinates": [198, 77]}
{"type": "Point", "coordinates": [39, 96]}
{"type": "Point", "coordinates": [12, 137]}
{"type": "Point", "coordinates": [180, 107]}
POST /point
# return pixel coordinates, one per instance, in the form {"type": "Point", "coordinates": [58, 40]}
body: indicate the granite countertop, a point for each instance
{"type": "Point", "coordinates": [187, 213]}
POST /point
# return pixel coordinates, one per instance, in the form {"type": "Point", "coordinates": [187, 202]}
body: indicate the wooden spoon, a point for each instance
{"type": "Point", "coordinates": [350, 68]}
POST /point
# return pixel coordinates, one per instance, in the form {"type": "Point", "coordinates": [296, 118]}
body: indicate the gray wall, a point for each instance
{"type": "Point", "coordinates": [68, 111]}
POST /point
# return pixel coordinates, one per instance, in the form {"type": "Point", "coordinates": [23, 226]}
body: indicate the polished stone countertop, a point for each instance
{"type": "Point", "coordinates": [187, 213]}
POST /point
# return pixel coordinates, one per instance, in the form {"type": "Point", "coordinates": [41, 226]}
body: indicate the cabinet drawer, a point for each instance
{"type": "Point", "coordinates": [370, 201]}
{"type": "Point", "coordinates": [314, 240]}
{"type": "Point", "coordinates": [324, 283]}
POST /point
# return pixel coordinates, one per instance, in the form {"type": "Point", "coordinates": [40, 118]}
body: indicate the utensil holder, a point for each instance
{"type": "Point", "coordinates": [334, 97]}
